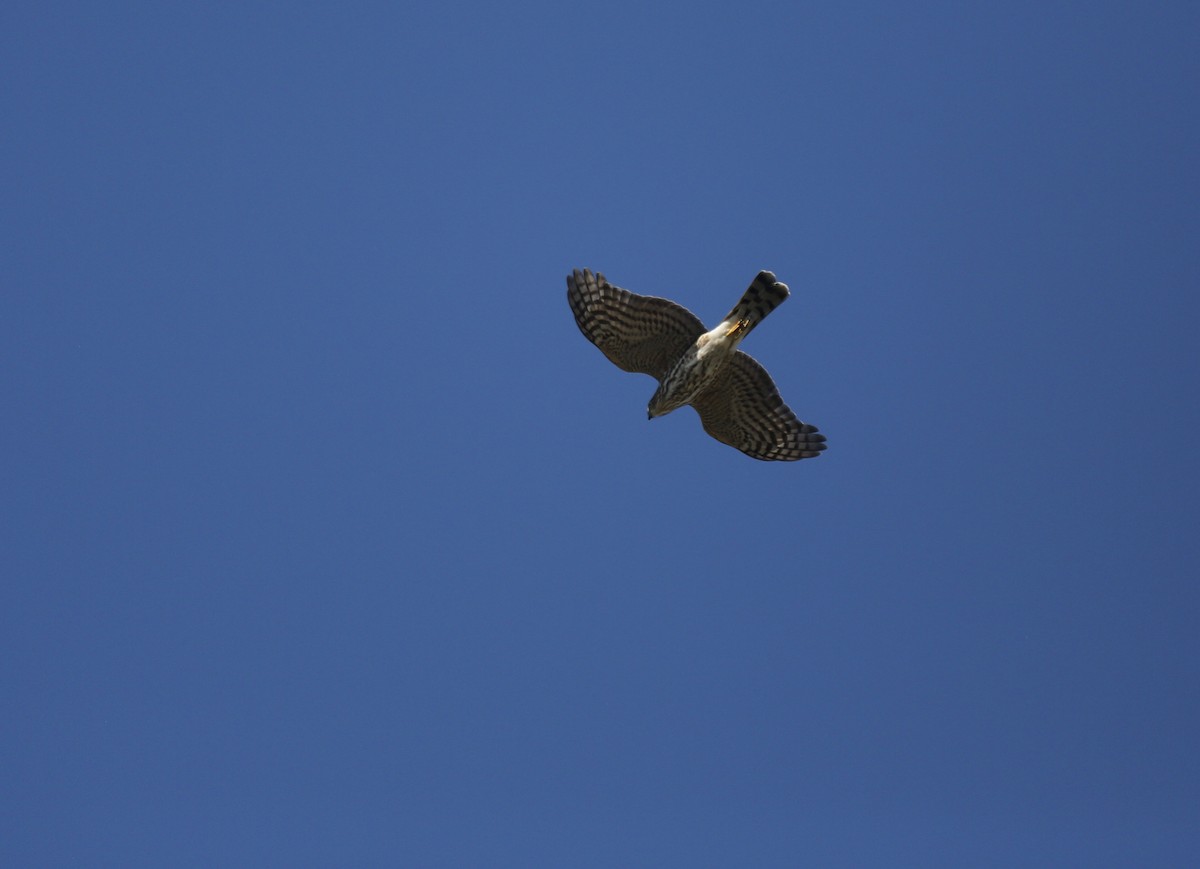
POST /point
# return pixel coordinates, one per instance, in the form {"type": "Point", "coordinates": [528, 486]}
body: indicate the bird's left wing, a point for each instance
{"type": "Point", "coordinates": [645, 334]}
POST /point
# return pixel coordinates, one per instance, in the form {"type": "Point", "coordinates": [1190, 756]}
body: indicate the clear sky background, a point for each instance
{"type": "Point", "coordinates": [329, 540]}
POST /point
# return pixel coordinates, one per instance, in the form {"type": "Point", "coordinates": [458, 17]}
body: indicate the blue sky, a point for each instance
{"type": "Point", "coordinates": [329, 540]}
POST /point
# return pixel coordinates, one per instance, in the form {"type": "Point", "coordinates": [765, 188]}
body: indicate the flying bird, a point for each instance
{"type": "Point", "coordinates": [735, 397]}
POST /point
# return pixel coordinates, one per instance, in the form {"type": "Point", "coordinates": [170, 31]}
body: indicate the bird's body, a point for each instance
{"type": "Point", "coordinates": [703, 361]}
{"type": "Point", "coordinates": [735, 397]}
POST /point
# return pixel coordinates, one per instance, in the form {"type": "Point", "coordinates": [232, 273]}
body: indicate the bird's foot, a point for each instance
{"type": "Point", "coordinates": [738, 327]}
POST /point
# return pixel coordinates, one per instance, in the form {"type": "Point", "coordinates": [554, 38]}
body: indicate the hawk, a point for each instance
{"type": "Point", "coordinates": [735, 397]}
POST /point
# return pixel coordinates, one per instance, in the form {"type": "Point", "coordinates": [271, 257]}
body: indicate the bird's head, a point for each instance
{"type": "Point", "coordinates": [657, 406]}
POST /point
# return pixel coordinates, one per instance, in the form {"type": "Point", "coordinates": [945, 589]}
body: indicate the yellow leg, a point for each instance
{"type": "Point", "coordinates": [739, 326]}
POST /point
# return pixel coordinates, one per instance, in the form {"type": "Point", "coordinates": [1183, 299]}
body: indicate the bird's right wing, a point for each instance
{"type": "Point", "coordinates": [637, 333]}
{"type": "Point", "coordinates": [743, 408]}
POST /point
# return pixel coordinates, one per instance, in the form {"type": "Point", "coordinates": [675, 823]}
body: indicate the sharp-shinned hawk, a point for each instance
{"type": "Point", "coordinates": [735, 397]}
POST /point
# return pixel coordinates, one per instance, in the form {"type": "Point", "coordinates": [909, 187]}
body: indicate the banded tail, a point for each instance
{"type": "Point", "coordinates": [763, 296]}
